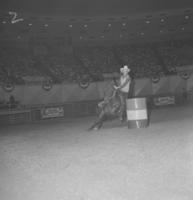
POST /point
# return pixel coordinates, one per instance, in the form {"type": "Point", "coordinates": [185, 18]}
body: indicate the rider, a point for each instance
{"type": "Point", "coordinates": [123, 87]}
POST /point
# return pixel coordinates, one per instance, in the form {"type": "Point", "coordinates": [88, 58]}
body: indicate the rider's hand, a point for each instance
{"type": "Point", "coordinates": [116, 88]}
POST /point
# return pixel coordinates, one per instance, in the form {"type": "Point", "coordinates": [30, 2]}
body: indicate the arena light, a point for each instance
{"type": "Point", "coordinates": [123, 24]}
{"type": "Point", "coordinates": [186, 17]}
{"type": "Point", "coordinates": [162, 20]}
{"type": "Point", "coordinates": [142, 33]}
{"type": "Point", "coordinates": [4, 22]}
{"type": "Point", "coordinates": [109, 25]}
{"type": "Point", "coordinates": [70, 25]}
{"type": "Point", "coordinates": [182, 28]}
{"type": "Point", "coordinates": [147, 22]}
{"type": "Point", "coordinates": [85, 26]}
{"type": "Point", "coordinates": [30, 24]}
{"type": "Point", "coordinates": [102, 36]}
{"type": "Point", "coordinates": [46, 25]}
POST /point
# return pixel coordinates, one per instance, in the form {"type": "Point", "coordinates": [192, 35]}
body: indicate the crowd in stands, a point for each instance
{"type": "Point", "coordinates": [145, 60]}
{"type": "Point", "coordinates": [176, 53]}
{"type": "Point", "coordinates": [16, 65]}
{"type": "Point", "coordinates": [141, 59]}
{"type": "Point", "coordinates": [98, 58]}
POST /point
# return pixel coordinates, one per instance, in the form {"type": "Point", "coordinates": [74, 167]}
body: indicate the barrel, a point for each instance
{"type": "Point", "coordinates": [137, 115]}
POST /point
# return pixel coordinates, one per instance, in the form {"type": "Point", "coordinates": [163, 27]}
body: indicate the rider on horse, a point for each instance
{"type": "Point", "coordinates": [115, 105]}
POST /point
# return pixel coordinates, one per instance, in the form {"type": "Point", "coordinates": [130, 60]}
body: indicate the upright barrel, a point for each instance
{"type": "Point", "coordinates": [137, 115]}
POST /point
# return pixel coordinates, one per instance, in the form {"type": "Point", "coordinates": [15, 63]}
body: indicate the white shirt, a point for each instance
{"type": "Point", "coordinates": [123, 80]}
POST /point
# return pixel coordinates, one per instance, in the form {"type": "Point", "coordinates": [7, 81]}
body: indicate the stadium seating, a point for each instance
{"type": "Point", "coordinates": [145, 60]}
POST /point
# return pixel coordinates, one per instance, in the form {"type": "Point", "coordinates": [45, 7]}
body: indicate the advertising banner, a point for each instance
{"type": "Point", "coordinates": [166, 100]}
{"type": "Point", "coordinates": [52, 112]}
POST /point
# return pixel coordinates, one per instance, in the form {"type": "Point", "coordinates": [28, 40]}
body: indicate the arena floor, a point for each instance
{"type": "Point", "coordinates": [60, 160]}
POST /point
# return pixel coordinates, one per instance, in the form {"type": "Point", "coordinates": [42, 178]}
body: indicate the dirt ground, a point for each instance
{"type": "Point", "coordinates": [60, 160]}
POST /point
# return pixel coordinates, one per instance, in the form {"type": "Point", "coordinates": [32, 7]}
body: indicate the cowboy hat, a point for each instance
{"type": "Point", "coordinates": [125, 69]}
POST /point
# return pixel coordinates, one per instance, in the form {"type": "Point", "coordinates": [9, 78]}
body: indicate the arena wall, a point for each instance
{"type": "Point", "coordinates": [63, 93]}
{"type": "Point", "coordinates": [70, 100]}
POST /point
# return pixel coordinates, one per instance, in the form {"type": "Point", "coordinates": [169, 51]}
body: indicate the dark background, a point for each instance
{"type": "Point", "coordinates": [92, 7]}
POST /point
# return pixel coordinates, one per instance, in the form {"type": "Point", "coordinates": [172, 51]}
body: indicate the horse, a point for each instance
{"type": "Point", "coordinates": [108, 109]}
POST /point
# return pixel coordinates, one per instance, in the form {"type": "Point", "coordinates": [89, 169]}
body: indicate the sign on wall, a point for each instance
{"type": "Point", "coordinates": [52, 112]}
{"type": "Point", "coordinates": [166, 100]}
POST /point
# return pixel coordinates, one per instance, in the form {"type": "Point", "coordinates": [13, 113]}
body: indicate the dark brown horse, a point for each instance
{"type": "Point", "coordinates": [108, 109]}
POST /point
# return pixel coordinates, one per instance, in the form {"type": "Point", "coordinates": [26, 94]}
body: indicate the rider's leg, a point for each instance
{"type": "Point", "coordinates": [123, 97]}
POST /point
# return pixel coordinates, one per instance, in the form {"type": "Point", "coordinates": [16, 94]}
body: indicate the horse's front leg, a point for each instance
{"type": "Point", "coordinates": [98, 124]}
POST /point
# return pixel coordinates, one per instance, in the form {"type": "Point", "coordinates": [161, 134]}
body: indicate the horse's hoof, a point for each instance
{"type": "Point", "coordinates": [121, 119]}
{"type": "Point", "coordinates": [89, 129]}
